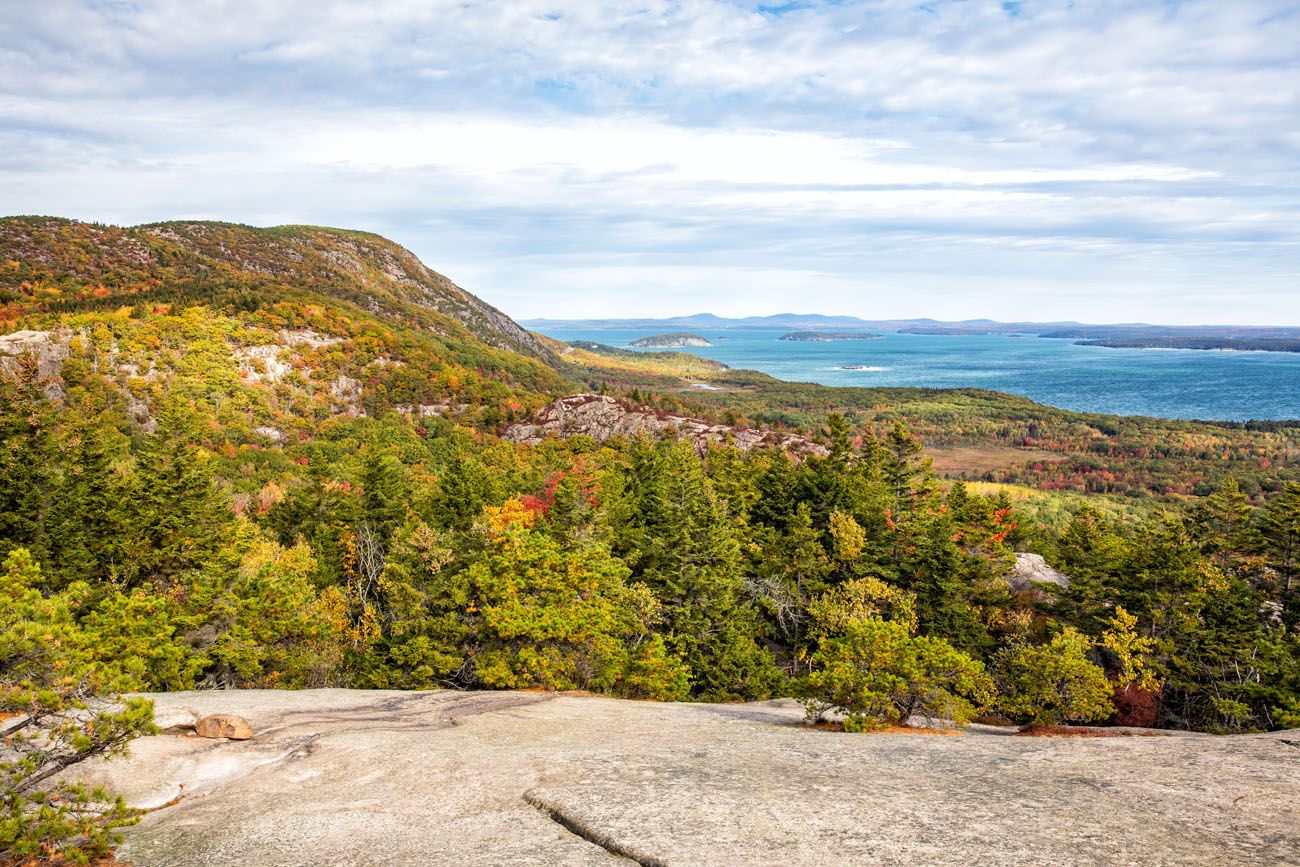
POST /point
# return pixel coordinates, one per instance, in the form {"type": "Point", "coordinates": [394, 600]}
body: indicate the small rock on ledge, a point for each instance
{"type": "Point", "coordinates": [224, 725]}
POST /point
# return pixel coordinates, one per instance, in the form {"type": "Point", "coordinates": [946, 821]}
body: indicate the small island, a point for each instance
{"type": "Point", "coordinates": [828, 336]}
{"type": "Point", "coordinates": [671, 340]}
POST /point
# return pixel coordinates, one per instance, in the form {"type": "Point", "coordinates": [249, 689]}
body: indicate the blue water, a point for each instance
{"type": "Point", "coordinates": [1175, 383]}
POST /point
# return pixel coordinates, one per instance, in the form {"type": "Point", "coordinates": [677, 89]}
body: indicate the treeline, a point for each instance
{"type": "Point", "coordinates": [1135, 457]}
{"type": "Point", "coordinates": [382, 553]}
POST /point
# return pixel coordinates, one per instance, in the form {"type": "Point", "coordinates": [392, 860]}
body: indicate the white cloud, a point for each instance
{"type": "Point", "coordinates": [1069, 159]}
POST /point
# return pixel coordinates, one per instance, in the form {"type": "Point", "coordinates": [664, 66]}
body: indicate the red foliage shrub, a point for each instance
{"type": "Point", "coordinates": [1135, 706]}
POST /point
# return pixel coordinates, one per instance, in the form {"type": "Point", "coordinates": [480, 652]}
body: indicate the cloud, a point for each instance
{"type": "Point", "coordinates": [1051, 158]}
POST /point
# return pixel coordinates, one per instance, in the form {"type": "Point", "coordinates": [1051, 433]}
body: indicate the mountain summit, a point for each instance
{"type": "Point", "coordinates": [100, 262]}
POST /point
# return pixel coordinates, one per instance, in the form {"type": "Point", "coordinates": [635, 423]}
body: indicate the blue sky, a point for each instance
{"type": "Point", "coordinates": [1102, 161]}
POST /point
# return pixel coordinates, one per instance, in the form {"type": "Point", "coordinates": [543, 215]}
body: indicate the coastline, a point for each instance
{"type": "Point", "coordinates": [1226, 386]}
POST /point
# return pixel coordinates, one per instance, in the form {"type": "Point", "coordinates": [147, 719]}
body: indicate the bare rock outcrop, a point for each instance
{"type": "Point", "coordinates": [529, 778]}
{"type": "Point", "coordinates": [1031, 572]}
{"type": "Point", "coordinates": [602, 417]}
{"type": "Point", "coordinates": [48, 348]}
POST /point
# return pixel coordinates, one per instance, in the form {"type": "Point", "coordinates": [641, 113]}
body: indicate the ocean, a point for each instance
{"type": "Point", "coordinates": [1166, 383]}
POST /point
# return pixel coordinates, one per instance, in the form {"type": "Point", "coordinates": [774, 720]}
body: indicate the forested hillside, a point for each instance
{"type": "Point", "coordinates": [272, 457]}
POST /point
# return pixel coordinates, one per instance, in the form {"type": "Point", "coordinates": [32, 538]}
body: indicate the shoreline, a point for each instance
{"type": "Point", "coordinates": [1018, 368]}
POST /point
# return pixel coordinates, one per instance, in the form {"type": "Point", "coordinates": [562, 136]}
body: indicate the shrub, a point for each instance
{"type": "Point", "coordinates": [1052, 683]}
{"type": "Point", "coordinates": [1135, 706]}
{"type": "Point", "coordinates": [878, 673]}
{"type": "Point", "coordinates": [543, 616]}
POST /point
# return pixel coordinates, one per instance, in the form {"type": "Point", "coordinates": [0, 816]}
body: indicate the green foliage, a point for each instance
{"type": "Point", "coordinates": [862, 599]}
{"type": "Point", "coordinates": [266, 625]}
{"type": "Point", "coordinates": [877, 672]}
{"type": "Point", "coordinates": [1052, 683]}
{"type": "Point", "coordinates": [684, 548]}
{"type": "Point", "coordinates": [52, 723]}
{"type": "Point", "coordinates": [1131, 652]}
{"type": "Point", "coordinates": [177, 522]}
{"type": "Point", "coordinates": [546, 617]}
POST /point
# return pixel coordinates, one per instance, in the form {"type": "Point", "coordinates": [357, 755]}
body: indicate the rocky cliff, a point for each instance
{"type": "Point", "coordinates": [601, 417]}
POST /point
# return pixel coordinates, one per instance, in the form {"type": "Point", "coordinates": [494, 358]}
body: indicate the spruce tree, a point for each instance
{"type": "Point", "coordinates": [178, 518]}
{"type": "Point", "coordinates": [27, 457]}
{"type": "Point", "coordinates": [692, 564]}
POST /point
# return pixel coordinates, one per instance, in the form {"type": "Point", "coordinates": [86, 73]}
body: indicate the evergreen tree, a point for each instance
{"type": "Point", "coordinates": [1222, 523]}
{"type": "Point", "coordinates": [27, 457]}
{"type": "Point", "coordinates": [463, 490]}
{"type": "Point", "coordinates": [1282, 534]}
{"type": "Point", "coordinates": [178, 519]}
{"type": "Point", "coordinates": [87, 522]}
{"type": "Point", "coordinates": [691, 562]}
{"type": "Point", "coordinates": [904, 468]}
{"type": "Point", "coordinates": [384, 491]}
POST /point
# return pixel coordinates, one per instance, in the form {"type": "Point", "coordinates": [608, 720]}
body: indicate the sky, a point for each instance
{"type": "Point", "coordinates": [1094, 160]}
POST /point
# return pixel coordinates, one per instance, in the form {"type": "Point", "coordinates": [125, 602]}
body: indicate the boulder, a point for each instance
{"type": "Point", "coordinates": [1031, 572]}
{"type": "Point", "coordinates": [224, 725]}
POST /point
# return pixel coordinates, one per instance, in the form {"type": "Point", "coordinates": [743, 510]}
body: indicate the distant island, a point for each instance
{"type": "Point", "coordinates": [954, 331]}
{"type": "Point", "coordinates": [1240, 344]}
{"type": "Point", "coordinates": [940, 330]}
{"type": "Point", "coordinates": [671, 340]}
{"type": "Point", "coordinates": [826, 324]}
{"type": "Point", "coordinates": [828, 336]}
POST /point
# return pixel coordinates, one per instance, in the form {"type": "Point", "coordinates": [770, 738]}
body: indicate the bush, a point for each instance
{"type": "Point", "coordinates": [544, 616]}
{"type": "Point", "coordinates": [878, 673]}
{"type": "Point", "coordinates": [1135, 706]}
{"type": "Point", "coordinates": [1052, 683]}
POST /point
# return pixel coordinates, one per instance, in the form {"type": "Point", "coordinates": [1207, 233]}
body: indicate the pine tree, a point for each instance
{"type": "Point", "coordinates": [691, 563]}
{"type": "Point", "coordinates": [463, 491]}
{"type": "Point", "coordinates": [1222, 522]}
{"type": "Point", "coordinates": [906, 471]}
{"type": "Point", "coordinates": [27, 457]}
{"type": "Point", "coordinates": [87, 522]}
{"type": "Point", "coordinates": [384, 491]}
{"type": "Point", "coordinates": [1282, 532]}
{"type": "Point", "coordinates": [178, 518]}
{"type": "Point", "coordinates": [790, 570]}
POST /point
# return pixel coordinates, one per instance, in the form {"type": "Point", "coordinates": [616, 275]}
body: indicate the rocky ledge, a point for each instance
{"type": "Point", "coordinates": [601, 417]}
{"type": "Point", "coordinates": [433, 778]}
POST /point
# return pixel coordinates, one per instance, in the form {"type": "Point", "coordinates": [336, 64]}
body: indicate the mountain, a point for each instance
{"type": "Point", "coordinates": [818, 322]}
{"type": "Point", "coordinates": [786, 321]}
{"type": "Point", "coordinates": [98, 262]}
{"type": "Point", "coordinates": [291, 324]}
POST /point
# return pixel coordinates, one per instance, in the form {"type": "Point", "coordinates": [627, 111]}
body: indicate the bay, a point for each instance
{"type": "Point", "coordinates": [1173, 383]}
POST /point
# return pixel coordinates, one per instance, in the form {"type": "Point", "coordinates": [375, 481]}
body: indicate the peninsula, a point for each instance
{"type": "Point", "coordinates": [1238, 344]}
